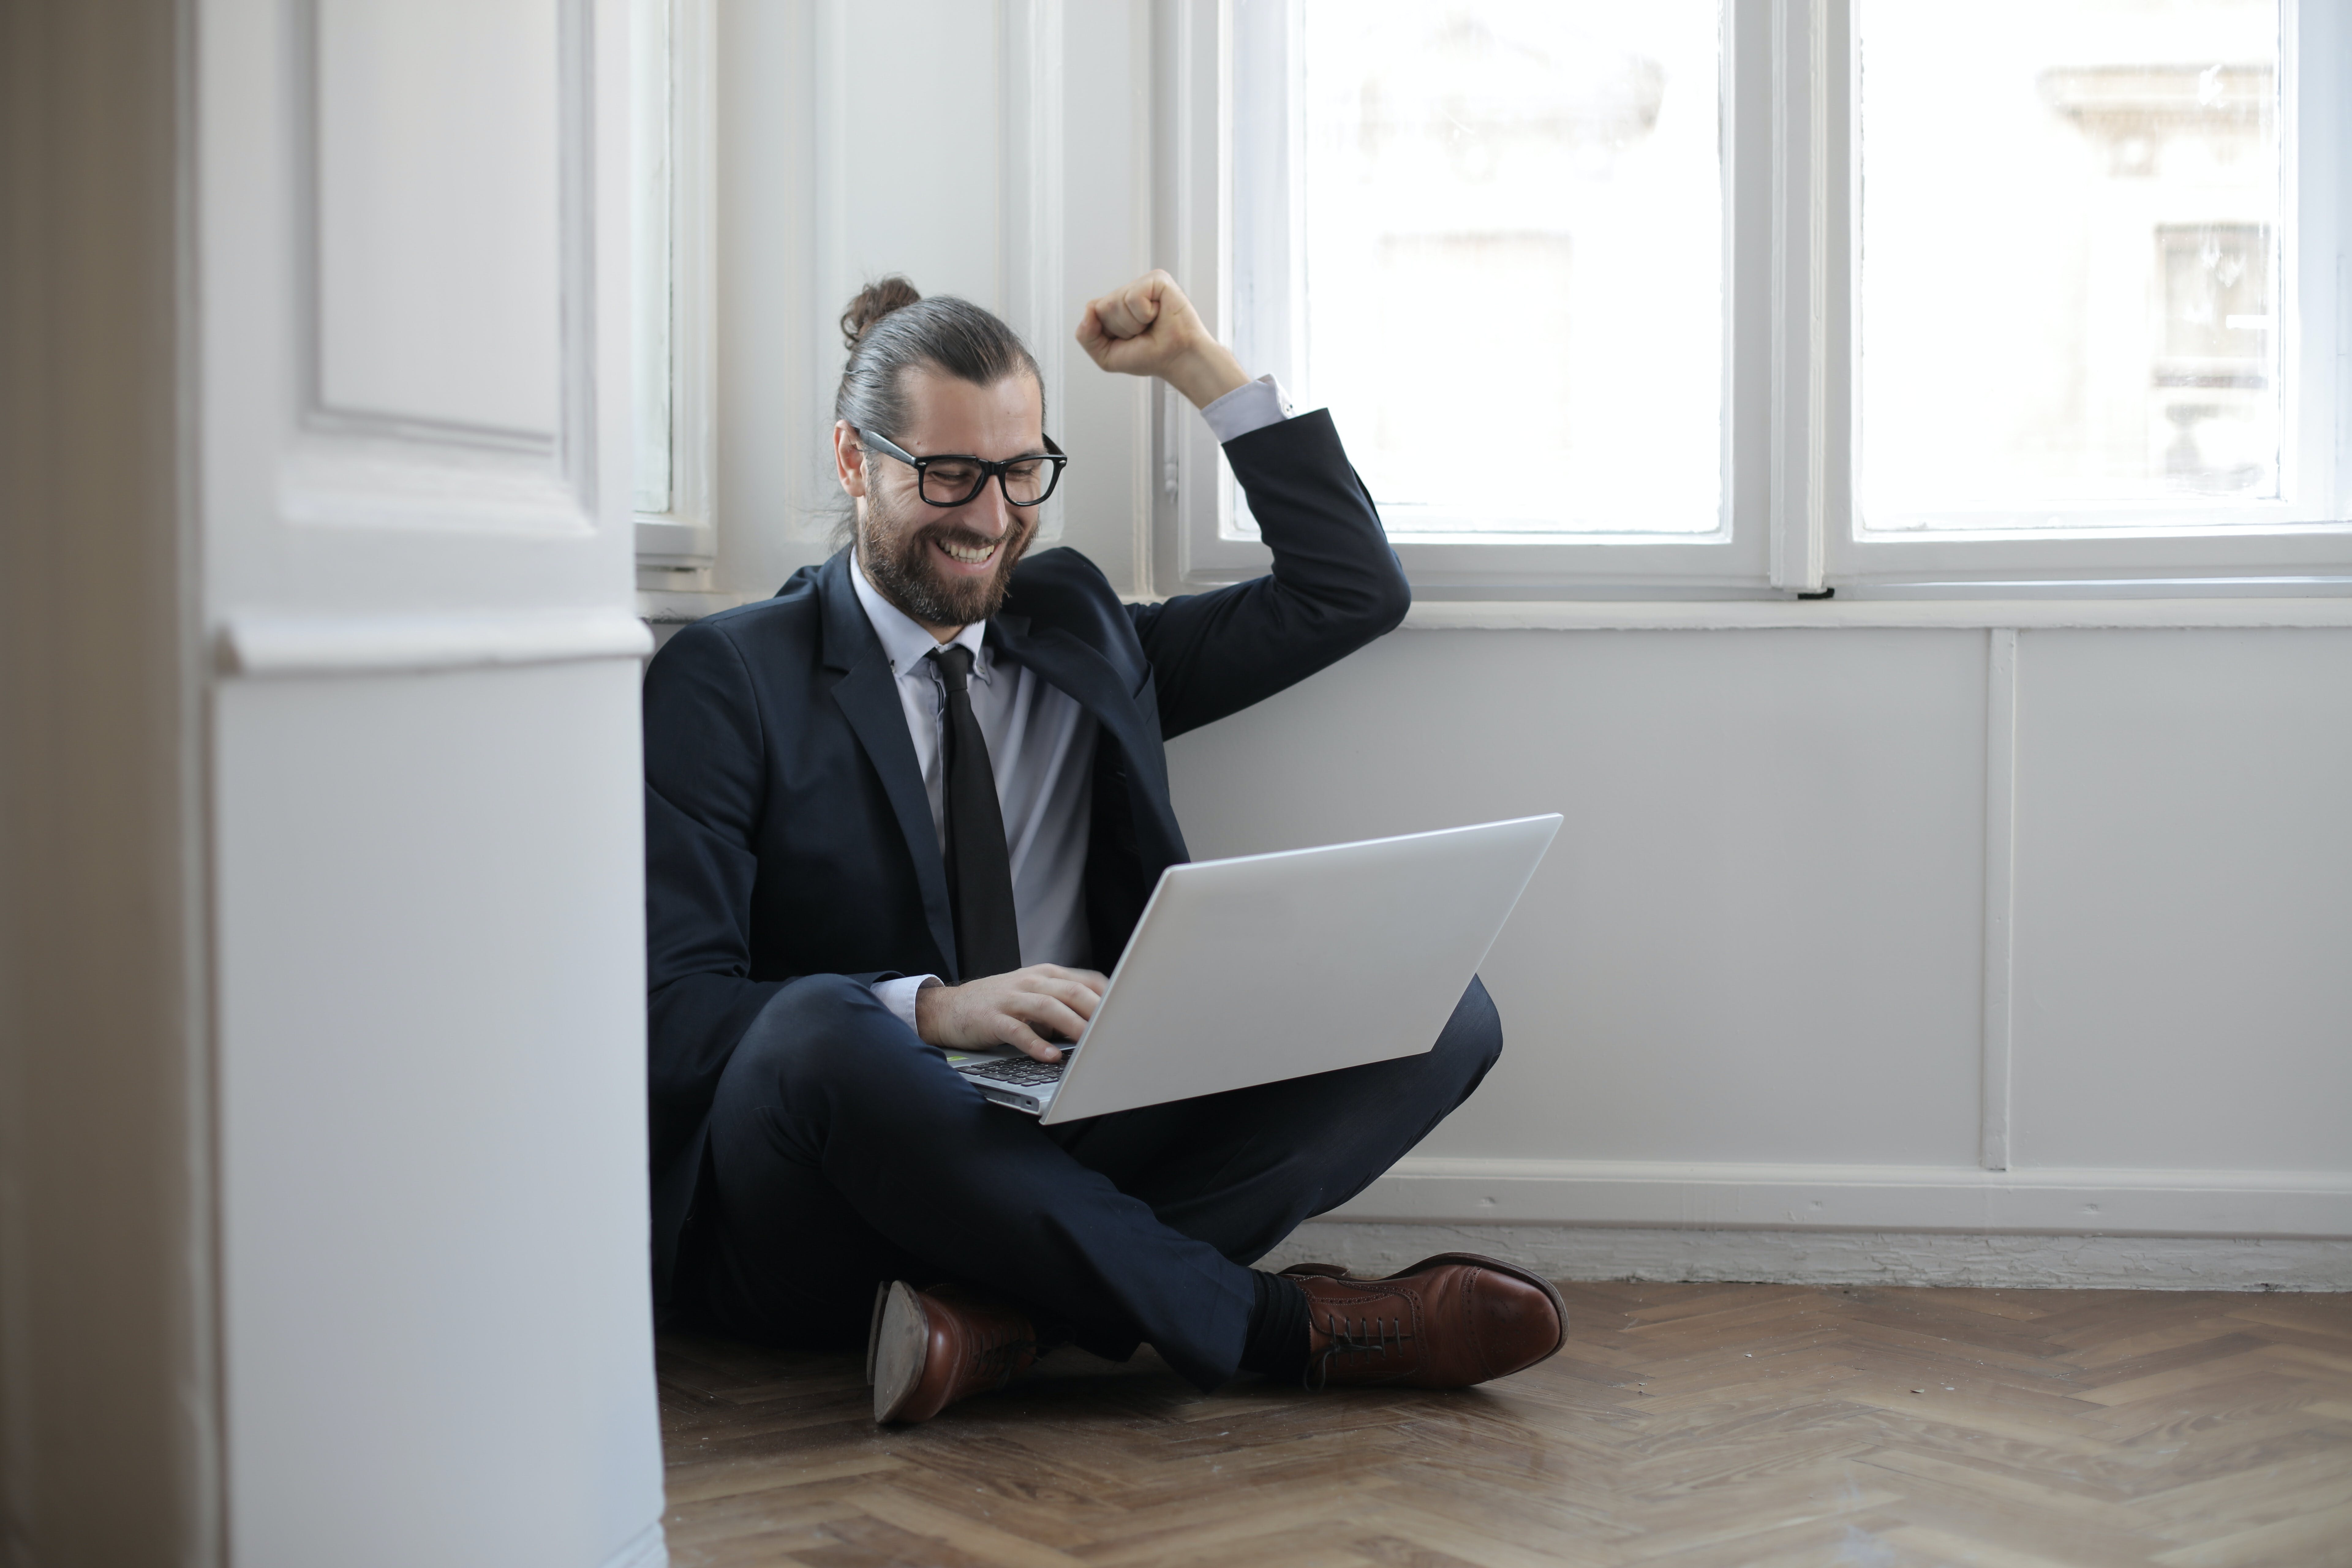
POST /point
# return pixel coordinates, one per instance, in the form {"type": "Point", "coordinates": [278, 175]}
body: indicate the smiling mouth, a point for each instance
{"type": "Point", "coordinates": [968, 555]}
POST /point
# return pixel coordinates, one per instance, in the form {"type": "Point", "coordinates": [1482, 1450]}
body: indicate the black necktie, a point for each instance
{"type": "Point", "coordinates": [979, 867]}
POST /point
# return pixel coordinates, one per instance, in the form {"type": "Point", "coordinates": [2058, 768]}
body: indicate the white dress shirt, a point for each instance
{"type": "Point", "coordinates": [1041, 749]}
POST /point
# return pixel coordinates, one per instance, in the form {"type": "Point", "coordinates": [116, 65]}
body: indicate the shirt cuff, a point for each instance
{"type": "Point", "coordinates": [1253, 405]}
{"type": "Point", "coordinates": [899, 996]}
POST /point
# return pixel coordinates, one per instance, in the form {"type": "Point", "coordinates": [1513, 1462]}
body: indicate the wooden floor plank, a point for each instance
{"type": "Point", "coordinates": [2317, 1539]}
{"type": "Point", "coordinates": [1683, 1426]}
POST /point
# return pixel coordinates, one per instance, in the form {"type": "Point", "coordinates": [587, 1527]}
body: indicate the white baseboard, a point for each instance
{"type": "Point", "coordinates": [649, 1548]}
{"type": "Point", "coordinates": [1842, 1257]}
{"type": "Point", "coordinates": [2245, 1205]}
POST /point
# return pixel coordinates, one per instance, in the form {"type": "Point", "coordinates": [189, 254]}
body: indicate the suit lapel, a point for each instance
{"type": "Point", "coordinates": [1094, 684]}
{"type": "Point", "coordinates": [1070, 665]}
{"type": "Point", "coordinates": [868, 695]}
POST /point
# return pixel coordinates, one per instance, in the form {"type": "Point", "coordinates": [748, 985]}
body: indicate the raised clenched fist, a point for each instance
{"type": "Point", "coordinates": [1149, 328]}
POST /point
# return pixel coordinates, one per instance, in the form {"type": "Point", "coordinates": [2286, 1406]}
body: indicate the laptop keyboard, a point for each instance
{"type": "Point", "coordinates": [1018, 1069]}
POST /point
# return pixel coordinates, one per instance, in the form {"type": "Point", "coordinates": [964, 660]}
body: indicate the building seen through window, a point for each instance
{"type": "Point", "coordinates": [1510, 215]}
{"type": "Point", "coordinates": [2070, 213]}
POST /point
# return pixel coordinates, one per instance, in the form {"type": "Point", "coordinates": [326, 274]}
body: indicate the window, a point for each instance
{"type": "Point", "coordinates": [670, 357]}
{"type": "Point", "coordinates": [2096, 289]}
{"type": "Point", "coordinates": [1692, 297]}
{"type": "Point", "coordinates": [2069, 219]}
{"type": "Point", "coordinates": [1493, 237]}
{"type": "Point", "coordinates": [1510, 227]}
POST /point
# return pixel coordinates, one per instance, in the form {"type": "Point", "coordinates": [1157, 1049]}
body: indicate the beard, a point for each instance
{"type": "Point", "coordinates": [897, 552]}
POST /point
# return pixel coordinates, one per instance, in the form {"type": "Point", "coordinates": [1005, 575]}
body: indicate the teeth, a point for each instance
{"type": "Point", "coordinates": [968, 555]}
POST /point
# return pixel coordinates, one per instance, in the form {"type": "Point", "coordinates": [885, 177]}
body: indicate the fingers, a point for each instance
{"type": "Point", "coordinates": [1029, 1042]}
{"type": "Point", "coordinates": [1047, 1013]}
{"type": "Point", "coordinates": [1091, 980]}
{"type": "Point", "coordinates": [1105, 350]}
{"type": "Point", "coordinates": [1046, 999]}
{"type": "Point", "coordinates": [1127, 312]}
{"type": "Point", "coordinates": [1026, 1034]}
{"type": "Point", "coordinates": [1020, 1009]}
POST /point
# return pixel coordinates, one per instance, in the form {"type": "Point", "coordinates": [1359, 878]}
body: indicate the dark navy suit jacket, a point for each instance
{"type": "Point", "coordinates": [787, 830]}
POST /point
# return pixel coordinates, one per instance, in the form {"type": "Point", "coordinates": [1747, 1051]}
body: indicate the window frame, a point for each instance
{"type": "Point", "coordinates": [676, 547]}
{"type": "Point", "coordinates": [1251, 207]}
{"type": "Point", "coordinates": [1790, 160]}
{"type": "Point", "coordinates": [2285, 556]}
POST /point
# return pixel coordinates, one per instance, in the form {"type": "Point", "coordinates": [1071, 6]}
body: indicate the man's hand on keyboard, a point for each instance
{"type": "Point", "coordinates": [1020, 1009]}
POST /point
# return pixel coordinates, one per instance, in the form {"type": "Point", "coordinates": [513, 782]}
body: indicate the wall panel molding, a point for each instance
{"type": "Point", "coordinates": [392, 430]}
{"type": "Point", "coordinates": [281, 645]}
{"type": "Point", "coordinates": [2309, 1203]}
{"type": "Point", "coordinates": [1999, 893]}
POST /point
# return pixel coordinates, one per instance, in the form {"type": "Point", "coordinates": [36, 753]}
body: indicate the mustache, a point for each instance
{"type": "Point", "coordinates": [972, 539]}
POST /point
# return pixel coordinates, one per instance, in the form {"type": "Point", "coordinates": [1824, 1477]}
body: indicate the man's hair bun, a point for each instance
{"type": "Point", "coordinates": [875, 301]}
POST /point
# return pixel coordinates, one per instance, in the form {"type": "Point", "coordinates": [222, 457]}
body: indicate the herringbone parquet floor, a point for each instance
{"type": "Point", "coordinates": [1689, 1425]}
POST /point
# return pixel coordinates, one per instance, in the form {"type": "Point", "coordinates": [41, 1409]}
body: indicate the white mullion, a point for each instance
{"type": "Point", "coordinates": [2316, 48]}
{"type": "Point", "coordinates": [1197, 248]}
{"type": "Point", "coordinates": [694, 141]}
{"type": "Point", "coordinates": [684, 534]}
{"type": "Point", "coordinates": [1034, 235]}
{"type": "Point", "coordinates": [1800, 104]}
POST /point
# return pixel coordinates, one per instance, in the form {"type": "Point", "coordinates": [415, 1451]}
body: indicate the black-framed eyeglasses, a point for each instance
{"type": "Point", "coordinates": [953, 478]}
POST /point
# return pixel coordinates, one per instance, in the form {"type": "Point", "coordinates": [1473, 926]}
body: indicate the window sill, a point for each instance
{"type": "Point", "coordinates": [1735, 615]}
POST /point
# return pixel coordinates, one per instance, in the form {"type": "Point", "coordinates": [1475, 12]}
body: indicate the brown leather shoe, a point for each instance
{"type": "Point", "coordinates": [1448, 1321]}
{"type": "Point", "coordinates": [930, 1348]}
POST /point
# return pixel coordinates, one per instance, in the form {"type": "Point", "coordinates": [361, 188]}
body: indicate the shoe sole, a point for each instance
{"type": "Point", "coordinates": [895, 1349]}
{"type": "Point", "coordinates": [873, 1328]}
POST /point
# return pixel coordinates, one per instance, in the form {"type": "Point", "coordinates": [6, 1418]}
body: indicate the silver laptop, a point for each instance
{"type": "Point", "coordinates": [1272, 966]}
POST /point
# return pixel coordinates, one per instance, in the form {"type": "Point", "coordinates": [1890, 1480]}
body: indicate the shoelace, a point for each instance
{"type": "Point", "coordinates": [1349, 1336]}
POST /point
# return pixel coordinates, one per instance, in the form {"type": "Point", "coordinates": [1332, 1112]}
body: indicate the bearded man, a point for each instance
{"type": "Point", "coordinates": [917, 800]}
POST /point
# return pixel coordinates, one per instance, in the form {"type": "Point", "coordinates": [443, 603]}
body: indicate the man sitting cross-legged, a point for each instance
{"type": "Point", "coordinates": [917, 800]}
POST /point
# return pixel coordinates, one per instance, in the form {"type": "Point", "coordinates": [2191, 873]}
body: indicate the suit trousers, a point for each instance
{"type": "Point", "coordinates": [845, 1152]}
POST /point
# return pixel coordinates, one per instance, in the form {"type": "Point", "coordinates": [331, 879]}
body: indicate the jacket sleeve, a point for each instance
{"type": "Point", "coordinates": [704, 778]}
{"type": "Point", "coordinates": [1336, 584]}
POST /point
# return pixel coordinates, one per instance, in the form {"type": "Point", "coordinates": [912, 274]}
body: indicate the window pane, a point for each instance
{"type": "Point", "coordinates": [649, 247]}
{"type": "Point", "coordinates": [2070, 224]}
{"type": "Point", "coordinates": [1511, 218]}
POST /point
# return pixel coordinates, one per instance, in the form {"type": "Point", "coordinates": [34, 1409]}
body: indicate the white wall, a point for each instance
{"type": "Point", "coordinates": [1756, 936]}
{"type": "Point", "coordinates": [410, 408]}
{"type": "Point", "coordinates": [432, 1187]}
{"type": "Point", "coordinates": [322, 1207]}
{"type": "Point", "coordinates": [1747, 987]}
{"type": "Point", "coordinates": [2185, 899]}
{"type": "Point", "coordinates": [1856, 926]}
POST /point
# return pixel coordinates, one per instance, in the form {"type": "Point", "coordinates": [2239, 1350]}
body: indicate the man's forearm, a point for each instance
{"type": "Point", "coordinates": [1206, 372]}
